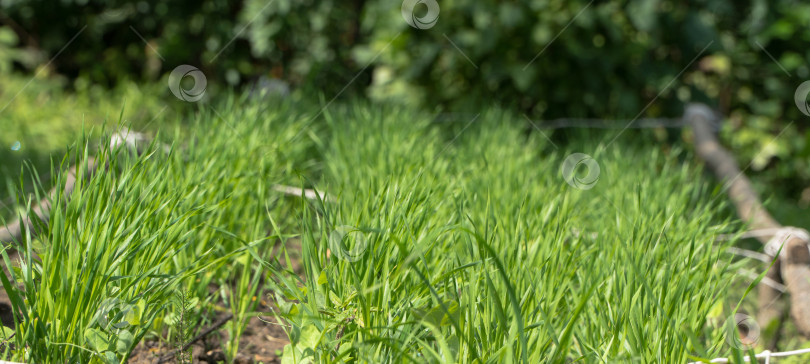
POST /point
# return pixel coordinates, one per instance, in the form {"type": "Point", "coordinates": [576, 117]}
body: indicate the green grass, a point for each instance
{"type": "Point", "coordinates": [437, 243]}
{"type": "Point", "coordinates": [477, 250]}
{"type": "Point", "coordinates": [148, 226]}
{"type": "Point", "coordinates": [37, 113]}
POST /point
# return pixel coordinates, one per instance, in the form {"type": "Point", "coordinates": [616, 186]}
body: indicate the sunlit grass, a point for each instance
{"type": "Point", "coordinates": [475, 249]}
{"type": "Point", "coordinates": [133, 234]}
{"type": "Point", "coordinates": [440, 243]}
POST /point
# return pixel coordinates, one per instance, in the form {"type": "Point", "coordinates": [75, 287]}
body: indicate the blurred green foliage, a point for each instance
{"type": "Point", "coordinates": [546, 58]}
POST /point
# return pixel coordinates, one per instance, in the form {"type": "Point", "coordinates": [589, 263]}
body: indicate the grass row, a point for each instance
{"type": "Point", "coordinates": [472, 248]}
{"type": "Point", "coordinates": [438, 243]}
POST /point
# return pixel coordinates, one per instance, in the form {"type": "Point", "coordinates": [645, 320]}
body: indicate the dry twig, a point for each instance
{"type": "Point", "coordinates": [216, 325]}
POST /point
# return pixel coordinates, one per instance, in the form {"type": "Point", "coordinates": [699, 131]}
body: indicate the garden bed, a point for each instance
{"type": "Point", "coordinates": [471, 240]}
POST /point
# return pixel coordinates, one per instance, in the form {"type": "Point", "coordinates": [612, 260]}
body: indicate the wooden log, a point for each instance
{"type": "Point", "coordinates": [13, 232]}
{"type": "Point", "coordinates": [793, 263]}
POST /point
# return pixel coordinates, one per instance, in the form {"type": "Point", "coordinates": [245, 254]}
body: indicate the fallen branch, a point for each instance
{"type": "Point", "coordinates": [307, 193]}
{"type": "Point", "coordinates": [340, 333]}
{"type": "Point", "coordinates": [216, 325]}
{"type": "Point", "coordinates": [793, 263]}
{"type": "Point", "coordinates": [765, 280]}
{"type": "Point", "coordinates": [134, 141]}
{"type": "Point", "coordinates": [4, 343]}
{"type": "Point", "coordinates": [767, 355]}
{"type": "Point", "coordinates": [765, 258]}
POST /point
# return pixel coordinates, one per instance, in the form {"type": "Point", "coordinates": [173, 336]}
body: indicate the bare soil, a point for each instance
{"type": "Point", "coordinates": [261, 342]}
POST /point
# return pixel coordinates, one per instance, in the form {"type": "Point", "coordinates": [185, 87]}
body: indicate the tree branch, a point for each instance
{"type": "Point", "coordinates": [216, 325]}
{"type": "Point", "coordinates": [793, 263]}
